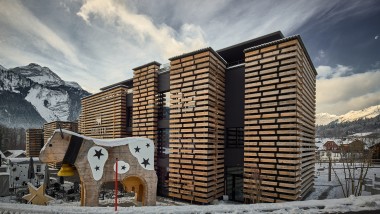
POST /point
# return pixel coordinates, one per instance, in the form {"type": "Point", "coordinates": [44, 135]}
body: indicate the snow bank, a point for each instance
{"type": "Point", "coordinates": [351, 204]}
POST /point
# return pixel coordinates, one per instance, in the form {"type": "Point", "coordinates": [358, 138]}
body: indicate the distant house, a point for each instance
{"type": "Point", "coordinates": [329, 150]}
{"type": "Point", "coordinates": [330, 146]}
{"type": "Point", "coordinates": [375, 152]}
{"type": "Point", "coordinates": [356, 146]}
{"type": "Point", "coordinates": [18, 171]}
{"type": "Point", "coordinates": [14, 154]}
{"type": "Point", "coordinates": [2, 158]}
{"type": "Point", "coordinates": [2, 155]}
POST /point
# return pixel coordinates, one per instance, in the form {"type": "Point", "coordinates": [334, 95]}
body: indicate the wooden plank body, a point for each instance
{"type": "Point", "coordinates": [49, 129]}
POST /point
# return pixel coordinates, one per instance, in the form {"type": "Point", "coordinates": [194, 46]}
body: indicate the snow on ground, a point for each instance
{"type": "Point", "coordinates": [350, 204]}
{"type": "Point", "coordinates": [324, 189]}
{"type": "Point", "coordinates": [326, 197]}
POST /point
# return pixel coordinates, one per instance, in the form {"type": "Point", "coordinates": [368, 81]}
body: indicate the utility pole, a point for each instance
{"type": "Point", "coordinates": [329, 155]}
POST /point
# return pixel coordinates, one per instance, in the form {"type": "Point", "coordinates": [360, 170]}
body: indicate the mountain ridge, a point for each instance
{"type": "Point", "coordinates": [351, 116]}
{"type": "Point", "coordinates": [39, 88]}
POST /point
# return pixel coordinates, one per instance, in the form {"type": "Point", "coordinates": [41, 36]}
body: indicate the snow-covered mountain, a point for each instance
{"type": "Point", "coordinates": [325, 118]}
{"type": "Point", "coordinates": [367, 113]}
{"type": "Point", "coordinates": [32, 95]}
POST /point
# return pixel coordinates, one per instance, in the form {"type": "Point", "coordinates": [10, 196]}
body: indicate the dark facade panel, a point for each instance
{"type": "Point", "coordinates": [234, 54]}
{"type": "Point", "coordinates": [235, 97]}
{"type": "Point", "coordinates": [164, 82]}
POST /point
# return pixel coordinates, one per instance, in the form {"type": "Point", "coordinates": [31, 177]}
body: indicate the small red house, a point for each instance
{"type": "Point", "coordinates": [330, 146]}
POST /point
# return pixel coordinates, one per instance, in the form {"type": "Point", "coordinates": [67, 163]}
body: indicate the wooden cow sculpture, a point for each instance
{"type": "Point", "coordinates": [95, 160]}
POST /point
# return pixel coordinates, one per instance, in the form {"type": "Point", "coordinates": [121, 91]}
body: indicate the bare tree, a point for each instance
{"type": "Point", "coordinates": [356, 161]}
{"type": "Point", "coordinates": [254, 178]}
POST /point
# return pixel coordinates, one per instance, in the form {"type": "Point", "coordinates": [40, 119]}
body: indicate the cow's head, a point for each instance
{"type": "Point", "coordinates": [55, 149]}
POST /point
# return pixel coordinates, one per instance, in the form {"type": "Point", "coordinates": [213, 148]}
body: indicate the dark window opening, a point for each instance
{"type": "Point", "coordinates": [163, 143]}
{"type": "Point", "coordinates": [129, 116]}
{"type": "Point", "coordinates": [235, 137]}
{"type": "Point", "coordinates": [163, 103]}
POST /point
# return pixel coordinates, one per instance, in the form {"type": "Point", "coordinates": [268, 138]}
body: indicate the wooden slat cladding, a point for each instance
{"type": "Point", "coordinates": [34, 142]}
{"type": "Point", "coordinates": [279, 122]}
{"type": "Point", "coordinates": [145, 109]}
{"type": "Point", "coordinates": [104, 114]}
{"type": "Point", "coordinates": [196, 159]}
{"type": "Point", "coordinates": [145, 92]}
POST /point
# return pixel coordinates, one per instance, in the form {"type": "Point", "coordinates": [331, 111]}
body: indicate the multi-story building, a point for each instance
{"type": "Point", "coordinates": [238, 121]}
{"type": "Point", "coordinates": [34, 142]}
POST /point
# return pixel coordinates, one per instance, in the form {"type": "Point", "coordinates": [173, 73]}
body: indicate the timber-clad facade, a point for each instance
{"type": "Point", "coordinates": [279, 120]}
{"type": "Point", "coordinates": [196, 160]}
{"type": "Point", "coordinates": [103, 114]}
{"type": "Point", "coordinates": [34, 142]}
{"type": "Point", "coordinates": [238, 121]}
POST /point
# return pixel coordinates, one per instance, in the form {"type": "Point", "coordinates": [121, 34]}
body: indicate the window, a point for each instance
{"type": "Point", "coordinates": [38, 168]}
{"type": "Point", "coordinates": [163, 143]}
{"type": "Point", "coordinates": [129, 116]}
{"type": "Point", "coordinates": [164, 105]}
{"type": "Point", "coordinates": [235, 137]}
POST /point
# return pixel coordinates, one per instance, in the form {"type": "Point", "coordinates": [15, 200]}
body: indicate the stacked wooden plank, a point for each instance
{"type": "Point", "coordinates": [279, 121]}
{"type": "Point", "coordinates": [145, 92]}
{"type": "Point", "coordinates": [307, 133]}
{"type": "Point", "coordinates": [49, 129]}
{"type": "Point", "coordinates": [104, 115]}
{"type": "Point", "coordinates": [196, 159]}
{"type": "Point", "coordinates": [80, 124]}
{"type": "Point", "coordinates": [34, 142]}
{"type": "Point", "coordinates": [145, 110]}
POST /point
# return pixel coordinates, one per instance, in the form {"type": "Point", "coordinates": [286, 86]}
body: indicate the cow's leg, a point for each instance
{"type": "Point", "coordinates": [91, 195]}
{"type": "Point", "coordinates": [151, 191]}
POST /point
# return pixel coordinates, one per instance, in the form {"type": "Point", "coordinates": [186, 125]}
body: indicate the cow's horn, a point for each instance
{"type": "Point", "coordinates": [60, 129]}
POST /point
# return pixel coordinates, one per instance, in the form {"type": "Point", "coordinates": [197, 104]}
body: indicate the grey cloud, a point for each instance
{"type": "Point", "coordinates": [341, 94]}
{"type": "Point", "coordinates": [53, 35]}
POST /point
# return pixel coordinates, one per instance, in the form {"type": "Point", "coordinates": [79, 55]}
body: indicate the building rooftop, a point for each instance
{"type": "Point", "coordinates": [235, 54]}
{"type": "Point", "coordinates": [128, 83]}
{"type": "Point", "coordinates": [298, 37]}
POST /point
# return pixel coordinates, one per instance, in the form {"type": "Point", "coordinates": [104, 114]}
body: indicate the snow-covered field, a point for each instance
{"type": "Point", "coordinates": [324, 189]}
{"type": "Point", "coordinates": [326, 197]}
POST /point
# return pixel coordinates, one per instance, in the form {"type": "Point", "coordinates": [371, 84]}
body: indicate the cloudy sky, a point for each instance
{"type": "Point", "coordinates": [97, 43]}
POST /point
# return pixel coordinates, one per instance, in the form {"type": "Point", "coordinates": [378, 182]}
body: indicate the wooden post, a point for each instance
{"type": "Point", "coordinates": [116, 186]}
{"type": "Point", "coordinates": [81, 193]}
{"type": "Point", "coordinates": [330, 167]}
